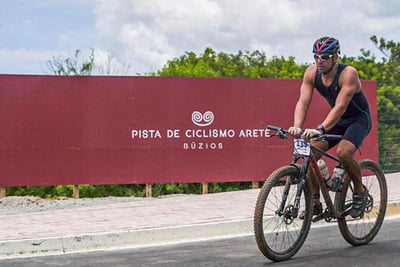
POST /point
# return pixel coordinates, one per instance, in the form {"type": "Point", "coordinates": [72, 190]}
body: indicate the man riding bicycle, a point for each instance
{"type": "Point", "coordinates": [349, 116]}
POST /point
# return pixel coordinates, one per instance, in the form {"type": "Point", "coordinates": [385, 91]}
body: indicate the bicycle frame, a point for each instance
{"type": "Point", "coordinates": [310, 160]}
{"type": "Point", "coordinates": [333, 213]}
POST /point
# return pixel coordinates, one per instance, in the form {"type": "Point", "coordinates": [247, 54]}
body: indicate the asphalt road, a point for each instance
{"type": "Point", "coordinates": [323, 247]}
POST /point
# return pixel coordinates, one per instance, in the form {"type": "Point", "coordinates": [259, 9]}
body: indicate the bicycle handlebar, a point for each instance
{"type": "Point", "coordinates": [275, 128]}
{"type": "Point", "coordinates": [281, 132]}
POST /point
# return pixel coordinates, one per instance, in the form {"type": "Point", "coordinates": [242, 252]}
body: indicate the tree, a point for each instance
{"type": "Point", "coordinates": [72, 66]}
{"type": "Point", "coordinates": [388, 79]}
{"type": "Point", "coordinates": [242, 64]}
{"type": "Point", "coordinates": [390, 49]}
{"type": "Point", "coordinates": [80, 65]}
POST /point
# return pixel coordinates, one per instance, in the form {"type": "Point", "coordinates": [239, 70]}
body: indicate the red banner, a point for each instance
{"type": "Point", "coordinates": [124, 130]}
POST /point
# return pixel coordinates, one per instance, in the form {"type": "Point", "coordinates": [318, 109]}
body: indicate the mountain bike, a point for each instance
{"type": "Point", "coordinates": [280, 233]}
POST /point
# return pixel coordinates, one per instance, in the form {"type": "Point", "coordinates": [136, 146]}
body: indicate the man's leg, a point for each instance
{"type": "Point", "coordinates": [317, 206]}
{"type": "Point", "coordinates": [345, 152]}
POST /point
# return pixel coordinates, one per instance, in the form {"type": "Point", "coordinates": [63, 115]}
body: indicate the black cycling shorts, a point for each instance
{"type": "Point", "coordinates": [354, 130]}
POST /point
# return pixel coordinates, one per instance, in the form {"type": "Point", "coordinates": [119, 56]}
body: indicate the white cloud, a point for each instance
{"type": "Point", "coordinates": [145, 34]}
{"type": "Point", "coordinates": [151, 32]}
{"type": "Point", "coordinates": [20, 61]}
{"type": "Point", "coordinates": [107, 64]}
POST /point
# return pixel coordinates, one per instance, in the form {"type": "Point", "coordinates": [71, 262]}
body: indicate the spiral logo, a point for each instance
{"type": "Point", "coordinates": [202, 119]}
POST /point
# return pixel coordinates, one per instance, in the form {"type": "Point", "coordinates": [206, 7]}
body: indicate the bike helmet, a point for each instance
{"type": "Point", "coordinates": [326, 45]}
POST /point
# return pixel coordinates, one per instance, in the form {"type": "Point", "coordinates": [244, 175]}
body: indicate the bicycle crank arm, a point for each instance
{"type": "Point", "coordinates": [346, 211]}
{"type": "Point", "coordinates": [318, 217]}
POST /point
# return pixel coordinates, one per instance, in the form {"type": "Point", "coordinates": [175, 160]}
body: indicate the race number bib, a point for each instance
{"type": "Point", "coordinates": [301, 147]}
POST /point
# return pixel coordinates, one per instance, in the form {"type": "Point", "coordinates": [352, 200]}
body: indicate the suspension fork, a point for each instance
{"type": "Point", "coordinates": [285, 194]}
{"type": "Point", "coordinates": [300, 185]}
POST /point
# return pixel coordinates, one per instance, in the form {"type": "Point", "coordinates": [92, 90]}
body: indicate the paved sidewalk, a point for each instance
{"type": "Point", "coordinates": [142, 222]}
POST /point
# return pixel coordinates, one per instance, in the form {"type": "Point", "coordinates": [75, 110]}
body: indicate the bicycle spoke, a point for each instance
{"type": "Point", "coordinates": [279, 234]}
{"type": "Point", "coordinates": [359, 231]}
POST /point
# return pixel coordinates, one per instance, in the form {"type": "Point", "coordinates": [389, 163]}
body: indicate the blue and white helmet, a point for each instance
{"type": "Point", "coordinates": [326, 45]}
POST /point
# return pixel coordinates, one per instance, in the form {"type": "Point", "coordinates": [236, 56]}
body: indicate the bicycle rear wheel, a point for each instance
{"type": "Point", "coordinates": [280, 236]}
{"type": "Point", "coordinates": [361, 231]}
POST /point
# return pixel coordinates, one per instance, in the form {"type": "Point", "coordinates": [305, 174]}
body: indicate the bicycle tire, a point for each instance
{"type": "Point", "coordinates": [361, 231]}
{"type": "Point", "coordinates": [276, 238]}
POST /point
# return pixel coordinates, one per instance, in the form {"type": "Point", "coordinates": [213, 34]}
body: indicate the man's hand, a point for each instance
{"type": "Point", "coordinates": [309, 133]}
{"type": "Point", "coordinates": [295, 131]}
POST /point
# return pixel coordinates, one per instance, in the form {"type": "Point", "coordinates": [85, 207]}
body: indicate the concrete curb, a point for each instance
{"type": "Point", "coordinates": [124, 239]}
{"type": "Point", "coordinates": [393, 209]}
{"type": "Point", "coordinates": [137, 238]}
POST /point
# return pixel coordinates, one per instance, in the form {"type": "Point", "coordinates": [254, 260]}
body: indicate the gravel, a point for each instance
{"type": "Point", "coordinates": [15, 205]}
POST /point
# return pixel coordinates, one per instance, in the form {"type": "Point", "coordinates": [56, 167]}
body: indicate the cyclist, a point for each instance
{"type": "Point", "coordinates": [349, 116]}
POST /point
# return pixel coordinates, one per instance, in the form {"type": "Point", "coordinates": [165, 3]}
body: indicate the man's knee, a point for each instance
{"type": "Point", "coordinates": [345, 150]}
{"type": "Point", "coordinates": [321, 145]}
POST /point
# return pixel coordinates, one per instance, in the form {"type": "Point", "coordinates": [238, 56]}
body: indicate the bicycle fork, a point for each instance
{"type": "Point", "coordinates": [292, 211]}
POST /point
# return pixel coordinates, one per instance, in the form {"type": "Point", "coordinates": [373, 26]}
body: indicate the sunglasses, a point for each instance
{"type": "Point", "coordinates": [322, 57]}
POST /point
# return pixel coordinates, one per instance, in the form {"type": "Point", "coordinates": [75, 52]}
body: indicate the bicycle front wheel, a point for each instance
{"type": "Point", "coordinates": [278, 230]}
{"type": "Point", "coordinates": [361, 231]}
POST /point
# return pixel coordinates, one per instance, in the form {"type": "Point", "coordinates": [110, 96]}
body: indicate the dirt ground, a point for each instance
{"type": "Point", "coordinates": [15, 205]}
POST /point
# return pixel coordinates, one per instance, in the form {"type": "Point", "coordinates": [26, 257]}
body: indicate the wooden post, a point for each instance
{"type": "Point", "coordinates": [75, 191]}
{"type": "Point", "coordinates": [205, 188]}
{"type": "Point", "coordinates": [255, 185]}
{"type": "Point", "coordinates": [3, 192]}
{"type": "Point", "coordinates": [149, 190]}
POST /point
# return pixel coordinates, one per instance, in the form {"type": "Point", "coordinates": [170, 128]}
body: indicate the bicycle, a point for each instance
{"type": "Point", "coordinates": [280, 233]}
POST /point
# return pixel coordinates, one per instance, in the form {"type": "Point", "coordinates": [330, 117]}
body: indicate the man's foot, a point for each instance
{"type": "Point", "coordinates": [317, 210]}
{"type": "Point", "coordinates": [359, 202]}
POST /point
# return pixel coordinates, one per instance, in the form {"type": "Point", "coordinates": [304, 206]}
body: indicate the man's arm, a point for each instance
{"type": "Point", "coordinates": [350, 84]}
{"type": "Point", "coordinates": [306, 92]}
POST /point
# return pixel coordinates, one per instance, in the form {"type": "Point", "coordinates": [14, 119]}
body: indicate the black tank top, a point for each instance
{"type": "Point", "coordinates": [358, 105]}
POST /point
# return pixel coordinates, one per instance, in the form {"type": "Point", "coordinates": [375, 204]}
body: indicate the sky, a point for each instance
{"type": "Point", "coordinates": [137, 37]}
